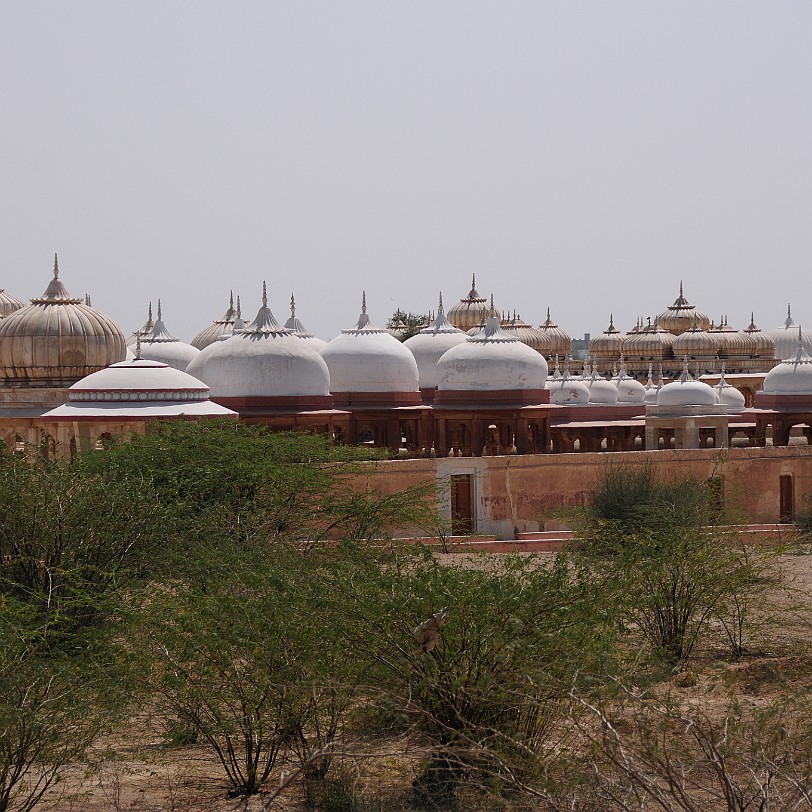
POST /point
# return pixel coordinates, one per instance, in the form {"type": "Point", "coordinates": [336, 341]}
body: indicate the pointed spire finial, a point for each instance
{"type": "Point", "coordinates": [56, 267]}
{"type": "Point", "coordinates": [138, 346]}
{"type": "Point", "coordinates": [292, 305]}
{"type": "Point", "coordinates": [493, 309]}
{"type": "Point", "coordinates": [680, 289]}
{"type": "Point", "coordinates": [440, 306]}
{"type": "Point", "coordinates": [160, 318]}
{"type": "Point", "coordinates": [239, 308]}
{"type": "Point", "coordinates": [473, 281]}
{"type": "Point", "coordinates": [264, 294]}
{"type": "Point", "coordinates": [87, 300]}
{"type": "Point", "coordinates": [363, 301]}
{"type": "Point", "coordinates": [149, 312]}
{"type": "Point", "coordinates": [231, 301]}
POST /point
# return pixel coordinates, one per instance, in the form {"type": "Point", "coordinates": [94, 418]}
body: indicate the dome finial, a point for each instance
{"type": "Point", "coordinates": [160, 318]}
{"type": "Point", "coordinates": [138, 346]}
{"type": "Point", "coordinates": [56, 267]}
{"type": "Point", "coordinates": [493, 309]}
{"type": "Point", "coordinates": [363, 301]}
{"type": "Point", "coordinates": [239, 307]}
{"type": "Point", "coordinates": [292, 305]}
{"type": "Point", "coordinates": [680, 290]}
{"type": "Point", "coordinates": [440, 306]}
{"type": "Point", "coordinates": [264, 294]}
{"type": "Point", "coordinates": [149, 312]}
{"type": "Point", "coordinates": [231, 300]}
{"type": "Point", "coordinates": [473, 281]}
{"type": "Point", "coordinates": [87, 300]}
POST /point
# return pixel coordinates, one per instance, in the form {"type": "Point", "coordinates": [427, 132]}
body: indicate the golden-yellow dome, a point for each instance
{"type": "Point", "coordinates": [609, 346]}
{"type": "Point", "coordinates": [56, 340]}
{"type": "Point", "coordinates": [680, 316]}
{"type": "Point", "coordinates": [696, 343]}
{"type": "Point", "coordinates": [652, 343]}
{"type": "Point", "coordinates": [765, 344]}
{"type": "Point", "coordinates": [527, 334]}
{"type": "Point", "coordinates": [472, 311]}
{"type": "Point", "coordinates": [560, 342]}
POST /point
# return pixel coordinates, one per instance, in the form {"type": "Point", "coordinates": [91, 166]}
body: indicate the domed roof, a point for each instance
{"type": "Point", "coordinates": [56, 340]}
{"type": "Point", "coordinates": [729, 395]}
{"type": "Point", "coordinates": [471, 311]}
{"type": "Point", "coordinates": [793, 376]}
{"type": "Point", "coordinates": [567, 391]}
{"type": "Point", "coordinates": [8, 304]}
{"type": "Point", "coordinates": [543, 343]}
{"type": "Point", "coordinates": [214, 332]}
{"type": "Point", "coordinates": [629, 390]}
{"type": "Point", "coordinates": [601, 391]}
{"type": "Point", "coordinates": [681, 315]}
{"type": "Point", "coordinates": [491, 361]}
{"type": "Point", "coordinates": [650, 343]}
{"type": "Point", "coordinates": [607, 347]}
{"type": "Point", "coordinates": [263, 360]}
{"type": "Point", "coordinates": [650, 398]}
{"type": "Point", "coordinates": [765, 345]}
{"type": "Point", "coordinates": [686, 391]}
{"type": "Point", "coordinates": [365, 358]}
{"type": "Point", "coordinates": [142, 331]}
{"type": "Point", "coordinates": [560, 342]}
{"type": "Point", "coordinates": [294, 324]}
{"type": "Point", "coordinates": [429, 345]}
{"type": "Point", "coordinates": [786, 338]}
{"type": "Point", "coordinates": [696, 343]}
{"type": "Point", "coordinates": [160, 345]}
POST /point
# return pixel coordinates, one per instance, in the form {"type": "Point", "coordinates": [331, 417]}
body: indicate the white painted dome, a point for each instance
{"type": "Point", "coordinates": [601, 391]}
{"type": "Point", "coordinates": [56, 340]}
{"type": "Point", "coordinates": [650, 398]}
{"type": "Point", "coordinates": [431, 343]}
{"type": "Point", "coordinates": [685, 391]}
{"type": "Point", "coordinates": [567, 391]}
{"type": "Point", "coordinates": [629, 391]}
{"type": "Point", "coordinates": [364, 358]}
{"type": "Point", "coordinates": [793, 376]}
{"type": "Point", "coordinates": [786, 338]}
{"type": "Point", "coordinates": [293, 323]}
{"type": "Point", "coordinates": [161, 345]}
{"type": "Point", "coordinates": [263, 360]}
{"type": "Point", "coordinates": [491, 361]}
{"type": "Point", "coordinates": [729, 395]}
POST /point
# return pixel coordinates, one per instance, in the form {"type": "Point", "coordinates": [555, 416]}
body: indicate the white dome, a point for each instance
{"type": "Point", "coordinates": [792, 376]}
{"type": "Point", "coordinates": [263, 360]}
{"type": "Point", "coordinates": [139, 388]}
{"type": "Point", "coordinates": [729, 395]}
{"type": "Point", "coordinates": [786, 338]}
{"type": "Point", "coordinates": [491, 361]}
{"type": "Point", "coordinates": [567, 391]}
{"type": "Point", "coordinates": [367, 359]}
{"type": "Point", "coordinates": [161, 345]}
{"type": "Point", "coordinates": [601, 391]}
{"type": "Point", "coordinates": [685, 391]}
{"type": "Point", "coordinates": [431, 343]}
{"type": "Point", "coordinates": [293, 323]}
{"type": "Point", "coordinates": [629, 390]}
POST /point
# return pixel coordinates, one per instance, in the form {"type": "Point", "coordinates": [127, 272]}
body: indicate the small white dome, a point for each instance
{"type": "Point", "coordinates": [263, 360]}
{"type": "Point", "coordinates": [601, 391]}
{"type": "Point", "coordinates": [367, 359]}
{"type": "Point", "coordinates": [567, 391]}
{"type": "Point", "coordinates": [490, 362]}
{"type": "Point", "coordinates": [161, 345]}
{"type": "Point", "coordinates": [792, 376]}
{"type": "Point", "coordinates": [431, 343]}
{"type": "Point", "coordinates": [629, 390]}
{"type": "Point", "coordinates": [729, 395]}
{"type": "Point", "coordinates": [685, 391]}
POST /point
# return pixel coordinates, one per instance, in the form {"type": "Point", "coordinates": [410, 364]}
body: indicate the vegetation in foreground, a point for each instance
{"type": "Point", "coordinates": [239, 587]}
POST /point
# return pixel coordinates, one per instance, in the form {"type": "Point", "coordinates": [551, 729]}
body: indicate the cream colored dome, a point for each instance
{"type": "Point", "coordinates": [786, 338]}
{"type": "Point", "coordinates": [696, 343]}
{"type": "Point", "coordinates": [160, 345]}
{"type": "Point", "coordinates": [765, 344]}
{"type": "Point", "coordinates": [294, 324]}
{"type": "Point", "coordinates": [218, 329]}
{"type": "Point", "coordinates": [491, 361]}
{"type": "Point", "coordinates": [9, 304]}
{"type": "Point", "coordinates": [367, 359]}
{"type": "Point", "coordinates": [681, 315]}
{"type": "Point", "coordinates": [471, 311]}
{"type": "Point", "coordinates": [651, 343]}
{"type": "Point", "coordinates": [542, 343]}
{"type": "Point", "coordinates": [793, 376]}
{"type": "Point", "coordinates": [560, 342]}
{"type": "Point", "coordinates": [56, 340]}
{"type": "Point", "coordinates": [431, 343]}
{"type": "Point", "coordinates": [264, 360]}
{"type": "Point", "coordinates": [609, 346]}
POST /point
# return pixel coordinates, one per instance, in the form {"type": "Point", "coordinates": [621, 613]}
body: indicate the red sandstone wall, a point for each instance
{"type": "Point", "coordinates": [522, 493]}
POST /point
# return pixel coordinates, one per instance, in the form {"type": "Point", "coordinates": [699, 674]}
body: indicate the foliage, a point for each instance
{"type": "Point", "coordinates": [407, 324]}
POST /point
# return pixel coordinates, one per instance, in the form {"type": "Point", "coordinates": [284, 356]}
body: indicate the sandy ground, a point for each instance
{"type": "Point", "coordinates": [136, 770]}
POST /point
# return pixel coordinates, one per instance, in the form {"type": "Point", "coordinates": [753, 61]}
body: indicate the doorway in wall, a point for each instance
{"type": "Point", "coordinates": [461, 505]}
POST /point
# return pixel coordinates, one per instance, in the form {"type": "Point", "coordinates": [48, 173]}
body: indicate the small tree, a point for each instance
{"type": "Point", "coordinates": [406, 324]}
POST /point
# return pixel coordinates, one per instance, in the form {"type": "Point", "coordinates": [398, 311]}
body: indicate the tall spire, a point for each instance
{"type": "Point", "coordinates": [56, 267]}
{"type": "Point", "coordinates": [264, 294]}
{"type": "Point", "coordinates": [680, 290]}
{"type": "Point", "coordinates": [363, 301]}
{"type": "Point", "coordinates": [159, 311]}
{"type": "Point", "coordinates": [138, 346]}
{"type": "Point", "coordinates": [440, 306]}
{"type": "Point", "coordinates": [292, 305]}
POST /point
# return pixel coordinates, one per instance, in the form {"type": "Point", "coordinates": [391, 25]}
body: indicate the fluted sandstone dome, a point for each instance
{"type": "Point", "coordinates": [696, 343]}
{"type": "Point", "coordinates": [430, 344]}
{"type": "Point", "coordinates": [218, 329]}
{"type": "Point", "coordinates": [262, 361]}
{"type": "Point", "coordinates": [471, 311]}
{"type": "Point", "coordinates": [681, 315]}
{"type": "Point", "coordinates": [650, 343]}
{"type": "Point", "coordinates": [56, 340]}
{"type": "Point", "coordinates": [160, 345]}
{"type": "Point", "coordinates": [364, 358]}
{"type": "Point", "coordinates": [491, 361]}
{"type": "Point", "coordinates": [609, 346]}
{"type": "Point", "coordinates": [9, 304]}
{"type": "Point", "coordinates": [765, 344]}
{"type": "Point", "coordinates": [793, 376]}
{"type": "Point", "coordinates": [535, 339]}
{"type": "Point", "coordinates": [559, 342]}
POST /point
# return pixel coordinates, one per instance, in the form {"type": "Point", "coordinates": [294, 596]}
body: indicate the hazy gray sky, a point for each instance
{"type": "Point", "coordinates": [584, 156]}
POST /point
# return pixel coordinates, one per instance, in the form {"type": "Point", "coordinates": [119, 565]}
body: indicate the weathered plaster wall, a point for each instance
{"type": "Point", "coordinates": [522, 493]}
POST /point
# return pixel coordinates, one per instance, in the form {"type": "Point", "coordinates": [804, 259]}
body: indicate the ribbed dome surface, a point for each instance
{"type": "Point", "coordinates": [471, 311]}
{"type": "Point", "coordinates": [559, 341]}
{"type": "Point", "coordinates": [8, 304]}
{"type": "Point", "coordinates": [609, 346]}
{"type": "Point", "coordinates": [264, 360]}
{"type": "Point", "coordinates": [219, 328]}
{"type": "Point", "coordinates": [431, 343]}
{"type": "Point", "coordinates": [364, 358]}
{"type": "Point", "coordinates": [681, 315]}
{"type": "Point", "coordinates": [56, 340]}
{"type": "Point", "coordinates": [491, 361]}
{"type": "Point", "coordinates": [792, 376]}
{"type": "Point", "coordinates": [696, 343]}
{"type": "Point", "coordinates": [541, 342]}
{"type": "Point", "coordinates": [652, 343]}
{"type": "Point", "coordinates": [786, 338]}
{"type": "Point", "coordinates": [765, 344]}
